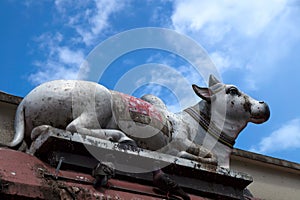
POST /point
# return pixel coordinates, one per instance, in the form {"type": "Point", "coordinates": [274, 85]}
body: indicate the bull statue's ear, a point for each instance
{"type": "Point", "coordinates": [212, 80]}
{"type": "Point", "coordinates": [203, 93]}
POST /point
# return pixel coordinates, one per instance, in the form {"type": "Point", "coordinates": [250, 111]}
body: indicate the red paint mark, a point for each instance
{"type": "Point", "coordinates": [140, 106]}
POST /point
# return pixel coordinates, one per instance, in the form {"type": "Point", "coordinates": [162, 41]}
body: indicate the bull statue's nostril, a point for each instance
{"type": "Point", "coordinates": [261, 102]}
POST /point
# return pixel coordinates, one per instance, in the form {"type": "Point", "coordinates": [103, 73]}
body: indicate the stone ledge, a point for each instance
{"type": "Point", "coordinates": [265, 159]}
{"type": "Point", "coordinates": [8, 98]}
{"type": "Point", "coordinates": [139, 163]}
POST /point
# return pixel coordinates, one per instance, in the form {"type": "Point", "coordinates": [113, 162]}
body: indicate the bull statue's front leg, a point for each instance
{"type": "Point", "coordinates": [185, 148]}
{"type": "Point", "coordinates": [198, 153]}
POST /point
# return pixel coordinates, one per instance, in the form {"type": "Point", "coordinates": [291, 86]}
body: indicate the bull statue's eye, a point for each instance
{"type": "Point", "coordinates": [233, 91]}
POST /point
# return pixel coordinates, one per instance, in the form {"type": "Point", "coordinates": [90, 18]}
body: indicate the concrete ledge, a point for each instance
{"type": "Point", "coordinates": [80, 151]}
{"type": "Point", "coordinates": [8, 98]}
{"type": "Point", "coordinates": [265, 159]}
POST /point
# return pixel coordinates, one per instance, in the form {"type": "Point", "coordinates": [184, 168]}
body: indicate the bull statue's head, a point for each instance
{"type": "Point", "coordinates": [239, 105]}
{"type": "Point", "coordinates": [229, 110]}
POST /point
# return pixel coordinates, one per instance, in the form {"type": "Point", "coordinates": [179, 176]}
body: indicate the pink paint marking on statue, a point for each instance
{"type": "Point", "coordinates": [140, 106]}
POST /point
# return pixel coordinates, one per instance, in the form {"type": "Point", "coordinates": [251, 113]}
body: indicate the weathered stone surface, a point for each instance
{"type": "Point", "coordinates": [84, 151]}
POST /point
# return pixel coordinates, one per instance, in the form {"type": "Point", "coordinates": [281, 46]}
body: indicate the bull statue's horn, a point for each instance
{"type": "Point", "coordinates": [212, 80]}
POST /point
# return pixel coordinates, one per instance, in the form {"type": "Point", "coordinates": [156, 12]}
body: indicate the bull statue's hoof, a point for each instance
{"type": "Point", "coordinates": [128, 145]}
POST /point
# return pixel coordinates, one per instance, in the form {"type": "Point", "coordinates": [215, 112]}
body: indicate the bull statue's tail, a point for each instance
{"type": "Point", "coordinates": [19, 128]}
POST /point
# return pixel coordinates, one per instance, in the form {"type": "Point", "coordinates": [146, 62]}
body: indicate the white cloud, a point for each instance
{"type": "Point", "coordinates": [177, 80]}
{"type": "Point", "coordinates": [51, 70]}
{"type": "Point", "coordinates": [91, 18]}
{"type": "Point", "coordinates": [47, 41]}
{"type": "Point", "coordinates": [84, 22]}
{"type": "Point", "coordinates": [247, 17]}
{"type": "Point", "coordinates": [175, 77]}
{"type": "Point", "coordinates": [61, 61]}
{"type": "Point", "coordinates": [221, 61]}
{"type": "Point", "coordinates": [186, 70]}
{"type": "Point", "coordinates": [286, 137]}
{"type": "Point", "coordinates": [68, 56]}
{"type": "Point", "coordinates": [238, 34]}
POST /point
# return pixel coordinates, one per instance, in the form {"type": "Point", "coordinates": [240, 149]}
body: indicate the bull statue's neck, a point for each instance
{"type": "Point", "coordinates": [221, 129]}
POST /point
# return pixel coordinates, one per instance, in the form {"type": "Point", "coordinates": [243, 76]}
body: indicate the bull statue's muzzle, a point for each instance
{"type": "Point", "coordinates": [260, 113]}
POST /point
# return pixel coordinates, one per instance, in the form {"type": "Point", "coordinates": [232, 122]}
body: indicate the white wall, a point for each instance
{"type": "Point", "coordinates": [271, 181]}
{"type": "Point", "coordinates": [7, 116]}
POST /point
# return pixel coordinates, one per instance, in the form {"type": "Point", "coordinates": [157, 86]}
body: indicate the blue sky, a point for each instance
{"type": "Point", "coordinates": [254, 45]}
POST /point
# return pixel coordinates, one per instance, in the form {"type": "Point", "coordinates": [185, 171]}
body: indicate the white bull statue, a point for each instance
{"type": "Point", "coordinates": [203, 132]}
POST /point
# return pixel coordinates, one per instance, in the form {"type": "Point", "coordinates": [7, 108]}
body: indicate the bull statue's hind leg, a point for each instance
{"type": "Point", "coordinates": [87, 124]}
{"type": "Point", "coordinates": [112, 135]}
